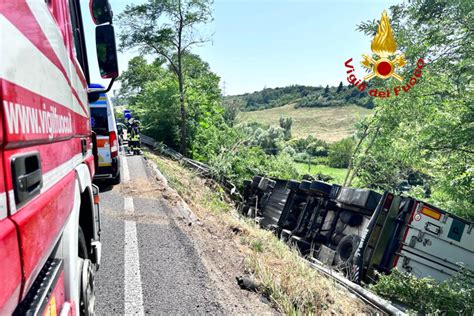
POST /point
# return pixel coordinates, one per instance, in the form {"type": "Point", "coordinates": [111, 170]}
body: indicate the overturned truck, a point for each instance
{"type": "Point", "coordinates": [361, 232]}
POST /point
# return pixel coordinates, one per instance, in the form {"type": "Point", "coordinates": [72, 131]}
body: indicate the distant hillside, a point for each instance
{"type": "Point", "coordinates": [300, 96]}
{"type": "Point", "coordinates": [328, 123]}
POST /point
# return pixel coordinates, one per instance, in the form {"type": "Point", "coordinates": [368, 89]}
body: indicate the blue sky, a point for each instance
{"type": "Point", "coordinates": [275, 43]}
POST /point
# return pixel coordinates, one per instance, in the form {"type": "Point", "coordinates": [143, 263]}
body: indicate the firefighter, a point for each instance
{"type": "Point", "coordinates": [134, 138]}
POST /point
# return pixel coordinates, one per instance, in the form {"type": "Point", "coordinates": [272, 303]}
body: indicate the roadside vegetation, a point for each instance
{"type": "Point", "coordinates": [419, 142]}
{"type": "Point", "coordinates": [455, 296]}
{"type": "Point", "coordinates": [283, 277]}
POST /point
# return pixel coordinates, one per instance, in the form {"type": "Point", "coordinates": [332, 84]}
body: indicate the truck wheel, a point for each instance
{"type": "Point", "coordinates": [345, 249]}
{"type": "Point", "coordinates": [86, 279]}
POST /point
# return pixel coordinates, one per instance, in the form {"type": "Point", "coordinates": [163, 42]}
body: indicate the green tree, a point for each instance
{"type": "Point", "coordinates": [138, 73]}
{"type": "Point", "coordinates": [317, 148]}
{"type": "Point", "coordinates": [429, 129]}
{"type": "Point", "coordinates": [340, 87]}
{"type": "Point", "coordinates": [326, 91]}
{"type": "Point", "coordinates": [231, 109]}
{"type": "Point", "coordinates": [339, 153]}
{"type": "Point", "coordinates": [167, 29]}
{"type": "Point", "coordinates": [286, 123]}
{"type": "Point", "coordinates": [158, 108]}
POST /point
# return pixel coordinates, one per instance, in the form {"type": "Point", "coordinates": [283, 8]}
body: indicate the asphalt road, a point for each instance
{"type": "Point", "coordinates": [149, 266]}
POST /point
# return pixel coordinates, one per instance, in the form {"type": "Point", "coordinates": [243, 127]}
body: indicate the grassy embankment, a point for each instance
{"type": "Point", "coordinates": [290, 284]}
{"type": "Point", "coordinates": [329, 124]}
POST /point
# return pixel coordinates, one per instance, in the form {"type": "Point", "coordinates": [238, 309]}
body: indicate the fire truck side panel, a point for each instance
{"type": "Point", "coordinates": [40, 224]}
{"type": "Point", "coordinates": [10, 265]}
{"type": "Point", "coordinates": [43, 96]}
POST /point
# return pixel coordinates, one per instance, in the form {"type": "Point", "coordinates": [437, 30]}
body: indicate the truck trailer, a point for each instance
{"type": "Point", "coordinates": [362, 232]}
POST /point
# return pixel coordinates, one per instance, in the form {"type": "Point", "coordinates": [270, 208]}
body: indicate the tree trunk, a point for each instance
{"type": "Point", "coordinates": [184, 134]}
{"type": "Point", "coordinates": [351, 169]}
{"type": "Point", "coordinates": [354, 154]}
{"type": "Point", "coordinates": [369, 146]}
{"type": "Point", "coordinates": [183, 142]}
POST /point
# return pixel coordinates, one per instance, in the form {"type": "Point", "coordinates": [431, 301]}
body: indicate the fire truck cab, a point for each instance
{"type": "Point", "coordinates": [49, 215]}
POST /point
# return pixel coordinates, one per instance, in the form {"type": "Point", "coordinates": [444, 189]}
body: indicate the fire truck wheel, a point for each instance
{"type": "Point", "coordinates": [82, 244]}
{"type": "Point", "coordinates": [346, 248]}
{"type": "Point", "coordinates": [86, 278]}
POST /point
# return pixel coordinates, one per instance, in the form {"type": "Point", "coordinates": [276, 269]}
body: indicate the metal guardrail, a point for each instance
{"type": "Point", "coordinates": [199, 167]}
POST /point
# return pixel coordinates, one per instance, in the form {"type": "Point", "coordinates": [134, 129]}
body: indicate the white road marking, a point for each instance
{"type": "Point", "coordinates": [126, 173]}
{"type": "Point", "coordinates": [133, 284]}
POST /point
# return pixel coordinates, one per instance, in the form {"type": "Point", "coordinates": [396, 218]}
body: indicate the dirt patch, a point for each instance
{"type": "Point", "coordinates": [147, 188]}
{"type": "Point", "coordinates": [144, 218]}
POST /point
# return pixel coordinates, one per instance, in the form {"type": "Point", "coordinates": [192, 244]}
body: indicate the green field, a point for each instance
{"type": "Point", "coordinates": [337, 173]}
{"type": "Point", "coordinates": [329, 124]}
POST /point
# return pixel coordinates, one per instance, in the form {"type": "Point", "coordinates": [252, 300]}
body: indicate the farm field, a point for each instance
{"type": "Point", "coordinates": [329, 124]}
{"type": "Point", "coordinates": [337, 173]}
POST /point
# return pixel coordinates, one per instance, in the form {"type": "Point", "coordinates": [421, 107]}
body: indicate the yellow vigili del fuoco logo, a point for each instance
{"type": "Point", "coordinates": [384, 46]}
{"type": "Point", "coordinates": [384, 63]}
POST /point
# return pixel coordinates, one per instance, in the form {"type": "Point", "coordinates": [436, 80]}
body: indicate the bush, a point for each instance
{"type": "Point", "coordinates": [281, 166]}
{"type": "Point", "coordinates": [237, 159]}
{"type": "Point", "coordinates": [302, 157]}
{"type": "Point", "coordinates": [306, 144]}
{"type": "Point", "coordinates": [270, 139]}
{"type": "Point", "coordinates": [288, 151]}
{"type": "Point", "coordinates": [340, 153]}
{"type": "Point", "coordinates": [317, 148]}
{"type": "Point", "coordinates": [454, 296]}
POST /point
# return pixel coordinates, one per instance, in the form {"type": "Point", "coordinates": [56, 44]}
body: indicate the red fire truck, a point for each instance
{"type": "Point", "coordinates": [49, 215]}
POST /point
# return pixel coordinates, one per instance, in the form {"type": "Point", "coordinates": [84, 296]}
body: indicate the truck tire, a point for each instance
{"type": "Point", "coordinates": [352, 219]}
{"type": "Point", "coordinates": [293, 185]}
{"type": "Point", "coordinates": [304, 186]}
{"type": "Point", "coordinates": [320, 187]}
{"type": "Point", "coordinates": [345, 249]}
{"type": "Point", "coordinates": [86, 278]}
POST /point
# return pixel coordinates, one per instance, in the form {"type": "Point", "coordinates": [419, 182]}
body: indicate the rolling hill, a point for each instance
{"type": "Point", "coordinates": [329, 123]}
{"type": "Point", "coordinates": [328, 113]}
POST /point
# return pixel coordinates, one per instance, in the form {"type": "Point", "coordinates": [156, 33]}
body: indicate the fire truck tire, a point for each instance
{"type": "Point", "coordinates": [346, 248]}
{"type": "Point", "coordinates": [86, 277]}
{"type": "Point", "coordinates": [83, 253]}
